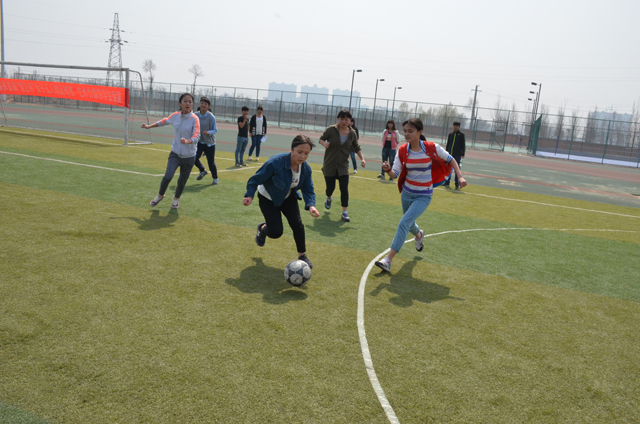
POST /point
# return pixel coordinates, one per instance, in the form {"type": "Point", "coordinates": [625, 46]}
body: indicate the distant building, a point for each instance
{"type": "Point", "coordinates": [286, 92]}
{"type": "Point", "coordinates": [317, 95]}
{"type": "Point", "coordinates": [612, 116]}
{"type": "Point", "coordinates": [341, 98]}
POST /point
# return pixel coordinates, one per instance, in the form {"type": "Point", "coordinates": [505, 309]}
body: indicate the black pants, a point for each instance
{"type": "Point", "coordinates": [210, 153]}
{"type": "Point", "coordinates": [273, 217]}
{"type": "Point", "coordinates": [344, 188]}
{"type": "Point", "coordinates": [175, 161]}
{"type": "Point", "coordinates": [448, 179]}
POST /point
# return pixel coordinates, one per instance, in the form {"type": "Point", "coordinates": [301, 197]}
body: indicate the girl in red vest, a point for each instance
{"type": "Point", "coordinates": [420, 165]}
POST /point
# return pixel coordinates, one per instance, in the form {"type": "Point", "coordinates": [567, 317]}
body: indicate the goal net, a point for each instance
{"type": "Point", "coordinates": [101, 102]}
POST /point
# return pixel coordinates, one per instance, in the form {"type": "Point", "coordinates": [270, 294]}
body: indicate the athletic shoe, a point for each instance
{"type": "Point", "coordinates": [243, 164]}
{"type": "Point", "coordinates": [261, 236]}
{"type": "Point", "coordinates": [257, 159]}
{"type": "Point", "coordinates": [447, 185]}
{"type": "Point", "coordinates": [420, 243]}
{"type": "Point", "coordinates": [327, 203]}
{"type": "Point", "coordinates": [381, 176]}
{"type": "Point", "coordinates": [238, 165]}
{"type": "Point", "coordinates": [215, 181]}
{"type": "Point", "coordinates": [175, 204]}
{"type": "Point", "coordinates": [458, 188]}
{"type": "Point", "coordinates": [156, 200]}
{"type": "Point", "coordinates": [249, 159]}
{"type": "Point", "coordinates": [355, 171]}
{"type": "Point", "coordinates": [384, 264]}
{"type": "Point", "coordinates": [345, 217]}
{"type": "Point", "coordinates": [304, 258]}
{"type": "Point", "coordinates": [201, 175]}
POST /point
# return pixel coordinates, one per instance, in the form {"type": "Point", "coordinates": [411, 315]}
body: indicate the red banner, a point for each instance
{"type": "Point", "coordinates": [116, 96]}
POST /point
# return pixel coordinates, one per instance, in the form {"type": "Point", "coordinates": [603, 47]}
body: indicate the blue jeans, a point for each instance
{"type": "Point", "coordinates": [388, 155]}
{"type": "Point", "coordinates": [240, 148]}
{"type": "Point", "coordinates": [353, 159]}
{"type": "Point", "coordinates": [413, 206]}
{"type": "Point", "coordinates": [256, 140]}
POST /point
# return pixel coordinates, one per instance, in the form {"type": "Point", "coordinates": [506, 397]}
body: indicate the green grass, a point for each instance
{"type": "Point", "coordinates": [114, 312]}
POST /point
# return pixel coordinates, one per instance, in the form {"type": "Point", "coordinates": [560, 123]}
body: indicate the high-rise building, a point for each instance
{"type": "Point", "coordinates": [341, 98]}
{"type": "Point", "coordinates": [316, 95]}
{"type": "Point", "coordinates": [286, 92]}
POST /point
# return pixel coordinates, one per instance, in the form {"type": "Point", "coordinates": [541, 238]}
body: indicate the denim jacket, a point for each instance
{"type": "Point", "coordinates": [275, 174]}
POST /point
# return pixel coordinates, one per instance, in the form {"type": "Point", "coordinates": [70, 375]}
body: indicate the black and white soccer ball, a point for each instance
{"type": "Point", "coordinates": [297, 273]}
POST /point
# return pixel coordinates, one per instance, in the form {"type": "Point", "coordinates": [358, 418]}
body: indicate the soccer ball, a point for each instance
{"type": "Point", "coordinates": [297, 273]}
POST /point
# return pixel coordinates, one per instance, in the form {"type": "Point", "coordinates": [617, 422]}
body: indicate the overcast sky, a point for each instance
{"type": "Point", "coordinates": [585, 53]}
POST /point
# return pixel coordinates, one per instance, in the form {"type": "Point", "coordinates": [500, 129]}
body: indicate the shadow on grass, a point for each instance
{"type": "Point", "coordinates": [408, 289]}
{"type": "Point", "coordinates": [196, 188]}
{"type": "Point", "coordinates": [328, 228]}
{"type": "Point", "coordinates": [267, 280]}
{"type": "Point", "coordinates": [155, 220]}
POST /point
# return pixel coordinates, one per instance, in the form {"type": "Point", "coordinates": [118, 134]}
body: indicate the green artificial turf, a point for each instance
{"type": "Point", "coordinates": [112, 311]}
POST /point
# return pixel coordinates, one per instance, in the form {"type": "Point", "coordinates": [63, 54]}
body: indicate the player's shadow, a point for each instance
{"type": "Point", "coordinates": [155, 220]}
{"type": "Point", "coordinates": [196, 188]}
{"type": "Point", "coordinates": [408, 289]}
{"type": "Point", "coordinates": [328, 228]}
{"type": "Point", "coordinates": [268, 281]}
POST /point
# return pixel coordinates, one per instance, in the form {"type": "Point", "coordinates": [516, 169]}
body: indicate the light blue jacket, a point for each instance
{"type": "Point", "coordinates": [184, 126]}
{"type": "Point", "coordinates": [207, 123]}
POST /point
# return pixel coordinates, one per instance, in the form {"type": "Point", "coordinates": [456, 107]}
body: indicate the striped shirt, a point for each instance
{"type": "Point", "coordinates": [418, 166]}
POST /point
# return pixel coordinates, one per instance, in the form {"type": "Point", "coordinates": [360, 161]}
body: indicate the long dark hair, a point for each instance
{"type": "Point", "coordinates": [415, 123]}
{"type": "Point", "coordinates": [392, 122]}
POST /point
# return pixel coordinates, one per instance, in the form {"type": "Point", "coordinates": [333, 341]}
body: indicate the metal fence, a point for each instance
{"type": "Point", "coordinates": [574, 137]}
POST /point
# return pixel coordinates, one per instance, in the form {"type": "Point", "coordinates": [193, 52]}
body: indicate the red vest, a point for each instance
{"type": "Point", "coordinates": [440, 169]}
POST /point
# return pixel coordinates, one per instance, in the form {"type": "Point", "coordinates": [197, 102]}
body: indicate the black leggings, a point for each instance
{"type": "Point", "coordinates": [344, 188]}
{"type": "Point", "coordinates": [272, 216]}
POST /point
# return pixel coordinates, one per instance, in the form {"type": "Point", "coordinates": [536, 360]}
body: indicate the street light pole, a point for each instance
{"type": "Point", "coordinates": [375, 96]}
{"type": "Point", "coordinates": [353, 75]}
{"type": "Point", "coordinates": [393, 107]}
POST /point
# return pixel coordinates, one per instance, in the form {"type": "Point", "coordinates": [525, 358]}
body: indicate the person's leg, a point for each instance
{"type": "Point", "coordinates": [330, 183]}
{"type": "Point", "coordinates": [245, 141]}
{"type": "Point", "coordinates": [385, 157]}
{"type": "Point", "coordinates": [392, 158]}
{"type": "Point", "coordinates": [291, 210]}
{"type": "Point", "coordinates": [172, 164]}
{"type": "Point", "coordinates": [258, 145]}
{"type": "Point", "coordinates": [186, 165]}
{"type": "Point", "coordinates": [344, 191]}
{"type": "Point", "coordinates": [457, 158]}
{"type": "Point", "coordinates": [210, 152]}
{"type": "Point", "coordinates": [412, 207]}
{"type": "Point", "coordinates": [238, 149]}
{"type": "Point", "coordinates": [272, 217]}
{"type": "Point", "coordinates": [253, 145]}
{"type": "Point", "coordinates": [353, 160]}
{"type": "Point", "coordinates": [201, 148]}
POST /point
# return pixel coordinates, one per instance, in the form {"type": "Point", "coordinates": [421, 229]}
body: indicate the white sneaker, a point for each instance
{"type": "Point", "coordinates": [384, 264]}
{"type": "Point", "coordinates": [355, 171]}
{"type": "Point", "coordinates": [420, 241]}
{"type": "Point", "coordinates": [175, 204]}
{"type": "Point", "coordinates": [156, 200]}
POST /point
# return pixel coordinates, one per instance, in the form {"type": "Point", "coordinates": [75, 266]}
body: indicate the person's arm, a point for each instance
{"type": "Point", "coordinates": [147, 126]}
{"type": "Point", "coordinates": [308, 193]}
{"type": "Point", "coordinates": [324, 139]}
{"type": "Point", "coordinates": [244, 122]}
{"type": "Point", "coordinates": [265, 172]}
{"type": "Point", "coordinates": [356, 148]}
{"type": "Point", "coordinates": [264, 125]}
{"type": "Point", "coordinates": [213, 130]}
{"type": "Point", "coordinates": [461, 181]}
{"type": "Point", "coordinates": [195, 136]}
{"type": "Point", "coordinates": [464, 146]}
{"type": "Point", "coordinates": [384, 137]}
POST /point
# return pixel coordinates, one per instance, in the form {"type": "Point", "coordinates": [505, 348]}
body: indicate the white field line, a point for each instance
{"type": "Point", "coordinates": [364, 345]}
{"type": "Point", "coordinates": [112, 169]}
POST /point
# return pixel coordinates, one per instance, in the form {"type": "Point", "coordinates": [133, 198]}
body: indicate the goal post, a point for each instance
{"type": "Point", "coordinates": [96, 101]}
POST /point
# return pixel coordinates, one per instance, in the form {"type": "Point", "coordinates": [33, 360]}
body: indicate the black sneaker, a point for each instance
{"type": "Point", "coordinates": [261, 235]}
{"type": "Point", "coordinates": [201, 175]}
{"type": "Point", "coordinates": [381, 176]}
{"type": "Point", "coordinates": [327, 203]}
{"type": "Point", "coordinates": [304, 258]}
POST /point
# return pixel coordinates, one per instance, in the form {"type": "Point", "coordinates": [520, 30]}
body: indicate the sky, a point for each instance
{"type": "Point", "coordinates": [584, 53]}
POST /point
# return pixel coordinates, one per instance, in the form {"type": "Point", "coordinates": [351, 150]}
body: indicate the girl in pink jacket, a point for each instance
{"type": "Point", "coordinates": [390, 140]}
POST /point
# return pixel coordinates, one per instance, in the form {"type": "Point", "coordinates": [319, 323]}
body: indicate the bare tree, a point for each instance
{"type": "Point", "coordinates": [513, 119]}
{"type": "Point", "coordinates": [196, 70]}
{"type": "Point", "coordinates": [560, 121]}
{"type": "Point", "coordinates": [635, 123]}
{"type": "Point", "coordinates": [149, 68]}
{"type": "Point", "coordinates": [544, 121]}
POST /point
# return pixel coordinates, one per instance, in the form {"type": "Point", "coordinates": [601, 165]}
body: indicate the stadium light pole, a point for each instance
{"type": "Point", "coordinates": [375, 97]}
{"type": "Point", "coordinates": [393, 107]}
{"type": "Point", "coordinates": [353, 75]}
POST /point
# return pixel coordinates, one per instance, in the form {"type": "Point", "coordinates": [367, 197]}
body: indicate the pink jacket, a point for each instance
{"type": "Point", "coordinates": [395, 138]}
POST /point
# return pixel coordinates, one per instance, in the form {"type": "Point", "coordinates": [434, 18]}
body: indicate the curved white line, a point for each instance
{"type": "Point", "coordinates": [366, 354]}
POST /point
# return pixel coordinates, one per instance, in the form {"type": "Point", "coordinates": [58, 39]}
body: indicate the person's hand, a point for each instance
{"type": "Point", "coordinates": [185, 141]}
{"type": "Point", "coordinates": [205, 132]}
{"type": "Point", "coordinates": [247, 201]}
{"type": "Point", "coordinates": [362, 163]}
{"type": "Point", "coordinates": [314, 212]}
{"type": "Point", "coordinates": [145, 126]}
{"type": "Point", "coordinates": [386, 167]}
{"type": "Point", "coordinates": [462, 182]}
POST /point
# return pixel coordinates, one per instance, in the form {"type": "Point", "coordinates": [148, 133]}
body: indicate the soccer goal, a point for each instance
{"type": "Point", "coordinates": [102, 102]}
